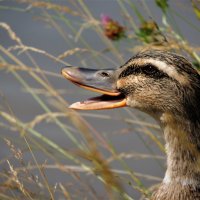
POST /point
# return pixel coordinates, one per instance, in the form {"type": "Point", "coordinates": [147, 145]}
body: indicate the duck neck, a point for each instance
{"type": "Point", "coordinates": [183, 150]}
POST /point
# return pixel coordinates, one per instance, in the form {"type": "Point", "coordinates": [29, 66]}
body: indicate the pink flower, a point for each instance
{"type": "Point", "coordinates": [112, 29]}
{"type": "Point", "coordinates": [105, 19]}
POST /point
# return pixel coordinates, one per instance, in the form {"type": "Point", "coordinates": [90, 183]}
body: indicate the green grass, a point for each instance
{"type": "Point", "coordinates": [91, 153]}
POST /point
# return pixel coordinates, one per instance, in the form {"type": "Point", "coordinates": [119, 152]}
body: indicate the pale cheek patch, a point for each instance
{"type": "Point", "coordinates": [121, 83]}
{"type": "Point", "coordinates": [162, 66]}
{"type": "Point", "coordinates": [134, 103]}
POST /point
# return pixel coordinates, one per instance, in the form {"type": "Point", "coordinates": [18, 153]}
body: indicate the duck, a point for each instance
{"type": "Point", "coordinates": [164, 85]}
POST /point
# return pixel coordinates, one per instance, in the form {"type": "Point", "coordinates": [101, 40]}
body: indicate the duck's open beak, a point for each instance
{"type": "Point", "coordinates": [101, 81]}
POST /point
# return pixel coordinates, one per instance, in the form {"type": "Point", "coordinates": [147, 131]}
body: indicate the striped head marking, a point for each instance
{"type": "Point", "coordinates": [156, 81]}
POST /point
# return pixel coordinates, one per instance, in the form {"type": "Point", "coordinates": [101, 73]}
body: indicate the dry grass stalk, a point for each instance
{"type": "Point", "coordinates": [91, 22]}
{"type": "Point", "coordinates": [47, 117]}
{"type": "Point", "coordinates": [101, 166]}
{"type": "Point", "coordinates": [41, 170]}
{"type": "Point", "coordinates": [71, 52]}
{"type": "Point", "coordinates": [78, 169]}
{"type": "Point", "coordinates": [16, 151]}
{"type": "Point", "coordinates": [24, 48]}
{"type": "Point", "coordinates": [65, 192]}
{"type": "Point", "coordinates": [10, 67]}
{"type": "Point", "coordinates": [44, 92]}
{"type": "Point", "coordinates": [16, 180]}
{"type": "Point", "coordinates": [136, 156]}
{"type": "Point", "coordinates": [50, 6]}
{"type": "Point", "coordinates": [40, 51]}
{"type": "Point", "coordinates": [8, 117]}
{"type": "Point", "coordinates": [11, 33]}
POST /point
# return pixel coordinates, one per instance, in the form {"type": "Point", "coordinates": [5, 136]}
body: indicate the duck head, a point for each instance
{"type": "Point", "coordinates": [152, 81]}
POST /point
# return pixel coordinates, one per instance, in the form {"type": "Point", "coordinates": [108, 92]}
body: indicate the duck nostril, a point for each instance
{"type": "Point", "coordinates": [105, 74]}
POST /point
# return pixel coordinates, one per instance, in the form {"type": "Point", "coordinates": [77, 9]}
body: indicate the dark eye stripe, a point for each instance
{"type": "Point", "coordinates": [148, 70]}
{"type": "Point", "coordinates": [130, 70]}
{"type": "Point", "coordinates": [152, 71]}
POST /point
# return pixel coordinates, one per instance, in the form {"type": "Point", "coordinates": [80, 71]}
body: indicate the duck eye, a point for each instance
{"type": "Point", "coordinates": [150, 70]}
{"type": "Point", "coordinates": [104, 74]}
